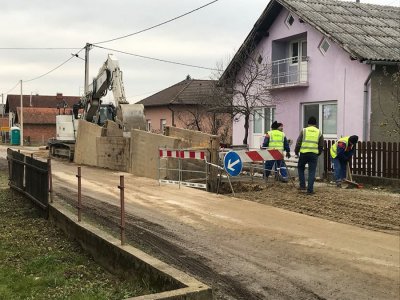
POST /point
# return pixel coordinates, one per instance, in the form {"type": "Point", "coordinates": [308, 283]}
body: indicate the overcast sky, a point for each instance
{"type": "Point", "coordinates": [202, 38]}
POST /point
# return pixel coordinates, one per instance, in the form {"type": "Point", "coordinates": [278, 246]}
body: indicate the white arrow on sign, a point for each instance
{"type": "Point", "coordinates": [231, 165]}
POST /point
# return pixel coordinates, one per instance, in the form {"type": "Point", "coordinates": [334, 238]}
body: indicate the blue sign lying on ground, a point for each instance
{"type": "Point", "coordinates": [232, 163]}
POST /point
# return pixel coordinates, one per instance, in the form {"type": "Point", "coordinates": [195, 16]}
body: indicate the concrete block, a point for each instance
{"type": "Point", "coordinates": [144, 154]}
{"type": "Point", "coordinates": [194, 138]}
{"type": "Point", "coordinates": [86, 145]}
{"type": "Point", "coordinates": [112, 129]}
{"type": "Point", "coordinates": [113, 153]}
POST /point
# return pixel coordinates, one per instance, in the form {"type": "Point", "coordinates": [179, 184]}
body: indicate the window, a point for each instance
{"type": "Point", "coordinates": [289, 20]}
{"type": "Point", "coordinates": [163, 123]}
{"type": "Point", "coordinates": [148, 125]}
{"type": "Point", "coordinates": [298, 49]}
{"type": "Point", "coordinates": [258, 121]}
{"type": "Point", "coordinates": [326, 115]}
{"type": "Point", "coordinates": [324, 46]}
{"type": "Point", "coordinates": [263, 118]}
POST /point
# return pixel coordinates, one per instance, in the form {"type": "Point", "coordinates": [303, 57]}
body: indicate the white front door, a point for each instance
{"type": "Point", "coordinates": [262, 119]}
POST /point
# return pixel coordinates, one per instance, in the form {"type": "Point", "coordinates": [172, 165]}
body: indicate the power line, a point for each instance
{"type": "Point", "coordinates": [157, 59]}
{"type": "Point", "coordinates": [37, 48]}
{"type": "Point", "coordinates": [157, 25]}
{"type": "Point", "coordinates": [12, 88]}
{"type": "Point", "coordinates": [52, 70]}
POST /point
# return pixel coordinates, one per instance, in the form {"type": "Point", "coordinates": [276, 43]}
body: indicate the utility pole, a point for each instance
{"type": "Point", "coordinates": [22, 118]}
{"type": "Point", "coordinates": [87, 49]}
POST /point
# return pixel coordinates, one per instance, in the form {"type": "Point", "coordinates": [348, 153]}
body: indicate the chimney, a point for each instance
{"type": "Point", "coordinates": [59, 96]}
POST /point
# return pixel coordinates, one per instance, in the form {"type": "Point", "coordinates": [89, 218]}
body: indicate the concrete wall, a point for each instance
{"type": "Point", "coordinates": [195, 139]}
{"type": "Point", "coordinates": [128, 261]}
{"type": "Point", "coordinates": [385, 101]}
{"type": "Point", "coordinates": [144, 156]}
{"type": "Point", "coordinates": [86, 143]}
{"type": "Point", "coordinates": [113, 153]}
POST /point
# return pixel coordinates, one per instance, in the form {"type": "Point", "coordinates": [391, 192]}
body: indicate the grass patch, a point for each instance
{"type": "Point", "coordinates": [39, 262]}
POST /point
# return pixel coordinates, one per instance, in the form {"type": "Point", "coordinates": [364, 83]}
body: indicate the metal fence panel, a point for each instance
{"type": "Point", "coordinates": [29, 176]}
{"type": "Point", "coordinates": [16, 168]}
{"type": "Point", "coordinates": [36, 179]}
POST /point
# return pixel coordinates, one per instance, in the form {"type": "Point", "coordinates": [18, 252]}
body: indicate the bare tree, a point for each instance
{"type": "Point", "coordinates": [204, 113]}
{"type": "Point", "coordinates": [248, 88]}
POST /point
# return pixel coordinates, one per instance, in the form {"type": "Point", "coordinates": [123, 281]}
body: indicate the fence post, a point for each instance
{"type": "Point", "coordinates": [79, 193]}
{"type": "Point", "coordinates": [214, 159]}
{"type": "Point", "coordinates": [50, 178]}
{"type": "Point", "coordinates": [122, 195]}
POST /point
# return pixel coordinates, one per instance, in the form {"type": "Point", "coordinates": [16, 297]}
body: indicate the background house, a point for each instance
{"type": "Point", "coordinates": [326, 59]}
{"type": "Point", "coordinates": [39, 114]}
{"type": "Point", "coordinates": [188, 104]}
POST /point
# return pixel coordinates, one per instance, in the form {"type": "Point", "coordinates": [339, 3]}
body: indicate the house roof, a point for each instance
{"type": "Point", "coordinates": [188, 91]}
{"type": "Point", "coordinates": [14, 101]}
{"type": "Point", "coordinates": [367, 32]}
{"type": "Point", "coordinates": [40, 115]}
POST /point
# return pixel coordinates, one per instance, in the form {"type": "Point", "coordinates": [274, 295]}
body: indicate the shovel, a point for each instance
{"type": "Point", "coordinates": [349, 178]}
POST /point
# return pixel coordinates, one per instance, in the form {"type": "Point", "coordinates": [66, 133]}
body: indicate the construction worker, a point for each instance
{"type": "Point", "coordinates": [341, 152]}
{"type": "Point", "coordinates": [276, 139]}
{"type": "Point", "coordinates": [310, 144]}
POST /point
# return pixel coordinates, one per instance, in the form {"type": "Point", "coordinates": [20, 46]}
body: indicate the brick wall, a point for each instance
{"type": "Point", "coordinates": [38, 134]}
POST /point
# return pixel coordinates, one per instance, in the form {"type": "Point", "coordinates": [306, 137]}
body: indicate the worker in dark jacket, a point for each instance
{"type": "Point", "coordinates": [276, 139]}
{"type": "Point", "coordinates": [310, 145]}
{"type": "Point", "coordinates": [341, 152]}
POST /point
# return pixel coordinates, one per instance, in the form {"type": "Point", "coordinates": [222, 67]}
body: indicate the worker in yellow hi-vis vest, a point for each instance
{"type": "Point", "coordinates": [276, 139]}
{"type": "Point", "coordinates": [341, 153]}
{"type": "Point", "coordinates": [310, 145]}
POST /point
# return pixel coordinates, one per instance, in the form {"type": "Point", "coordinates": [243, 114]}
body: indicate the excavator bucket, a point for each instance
{"type": "Point", "coordinates": [132, 116]}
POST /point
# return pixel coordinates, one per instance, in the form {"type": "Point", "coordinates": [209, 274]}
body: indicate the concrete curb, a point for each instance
{"type": "Point", "coordinates": [129, 261]}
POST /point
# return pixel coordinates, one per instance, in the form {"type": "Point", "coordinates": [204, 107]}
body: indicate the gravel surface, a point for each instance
{"type": "Point", "coordinates": [269, 242]}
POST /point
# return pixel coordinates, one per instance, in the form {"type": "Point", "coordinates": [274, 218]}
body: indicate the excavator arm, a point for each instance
{"type": "Point", "coordinates": [127, 116]}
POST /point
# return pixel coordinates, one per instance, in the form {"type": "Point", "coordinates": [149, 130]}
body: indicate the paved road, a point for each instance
{"type": "Point", "coordinates": [243, 249]}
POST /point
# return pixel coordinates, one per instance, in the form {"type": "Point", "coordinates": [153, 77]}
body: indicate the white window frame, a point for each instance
{"type": "Point", "coordinates": [148, 125]}
{"type": "Point", "coordinates": [324, 40]}
{"type": "Point", "coordinates": [272, 112]}
{"type": "Point", "coordinates": [320, 116]}
{"type": "Point", "coordinates": [299, 50]}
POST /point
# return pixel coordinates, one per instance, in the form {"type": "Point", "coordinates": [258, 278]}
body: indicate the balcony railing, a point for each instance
{"type": "Point", "coordinates": [290, 72]}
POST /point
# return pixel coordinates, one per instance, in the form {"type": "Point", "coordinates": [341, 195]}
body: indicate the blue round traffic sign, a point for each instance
{"type": "Point", "coordinates": [232, 163]}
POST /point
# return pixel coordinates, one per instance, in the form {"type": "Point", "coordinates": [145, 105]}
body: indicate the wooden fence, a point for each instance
{"type": "Point", "coordinates": [376, 159]}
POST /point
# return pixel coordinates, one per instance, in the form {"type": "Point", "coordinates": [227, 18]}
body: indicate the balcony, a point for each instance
{"type": "Point", "coordinates": [289, 72]}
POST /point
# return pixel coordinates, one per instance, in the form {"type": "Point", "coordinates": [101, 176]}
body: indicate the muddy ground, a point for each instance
{"type": "Point", "coordinates": [372, 207]}
{"type": "Point", "coordinates": [248, 251]}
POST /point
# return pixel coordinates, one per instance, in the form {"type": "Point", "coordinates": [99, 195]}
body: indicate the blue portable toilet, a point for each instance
{"type": "Point", "coordinates": [15, 135]}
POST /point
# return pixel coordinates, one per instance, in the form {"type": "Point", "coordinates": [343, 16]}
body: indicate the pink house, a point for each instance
{"type": "Point", "coordinates": [187, 105]}
{"type": "Point", "coordinates": [328, 59]}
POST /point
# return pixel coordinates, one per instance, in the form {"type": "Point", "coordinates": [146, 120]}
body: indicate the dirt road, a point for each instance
{"type": "Point", "coordinates": [245, 249]}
